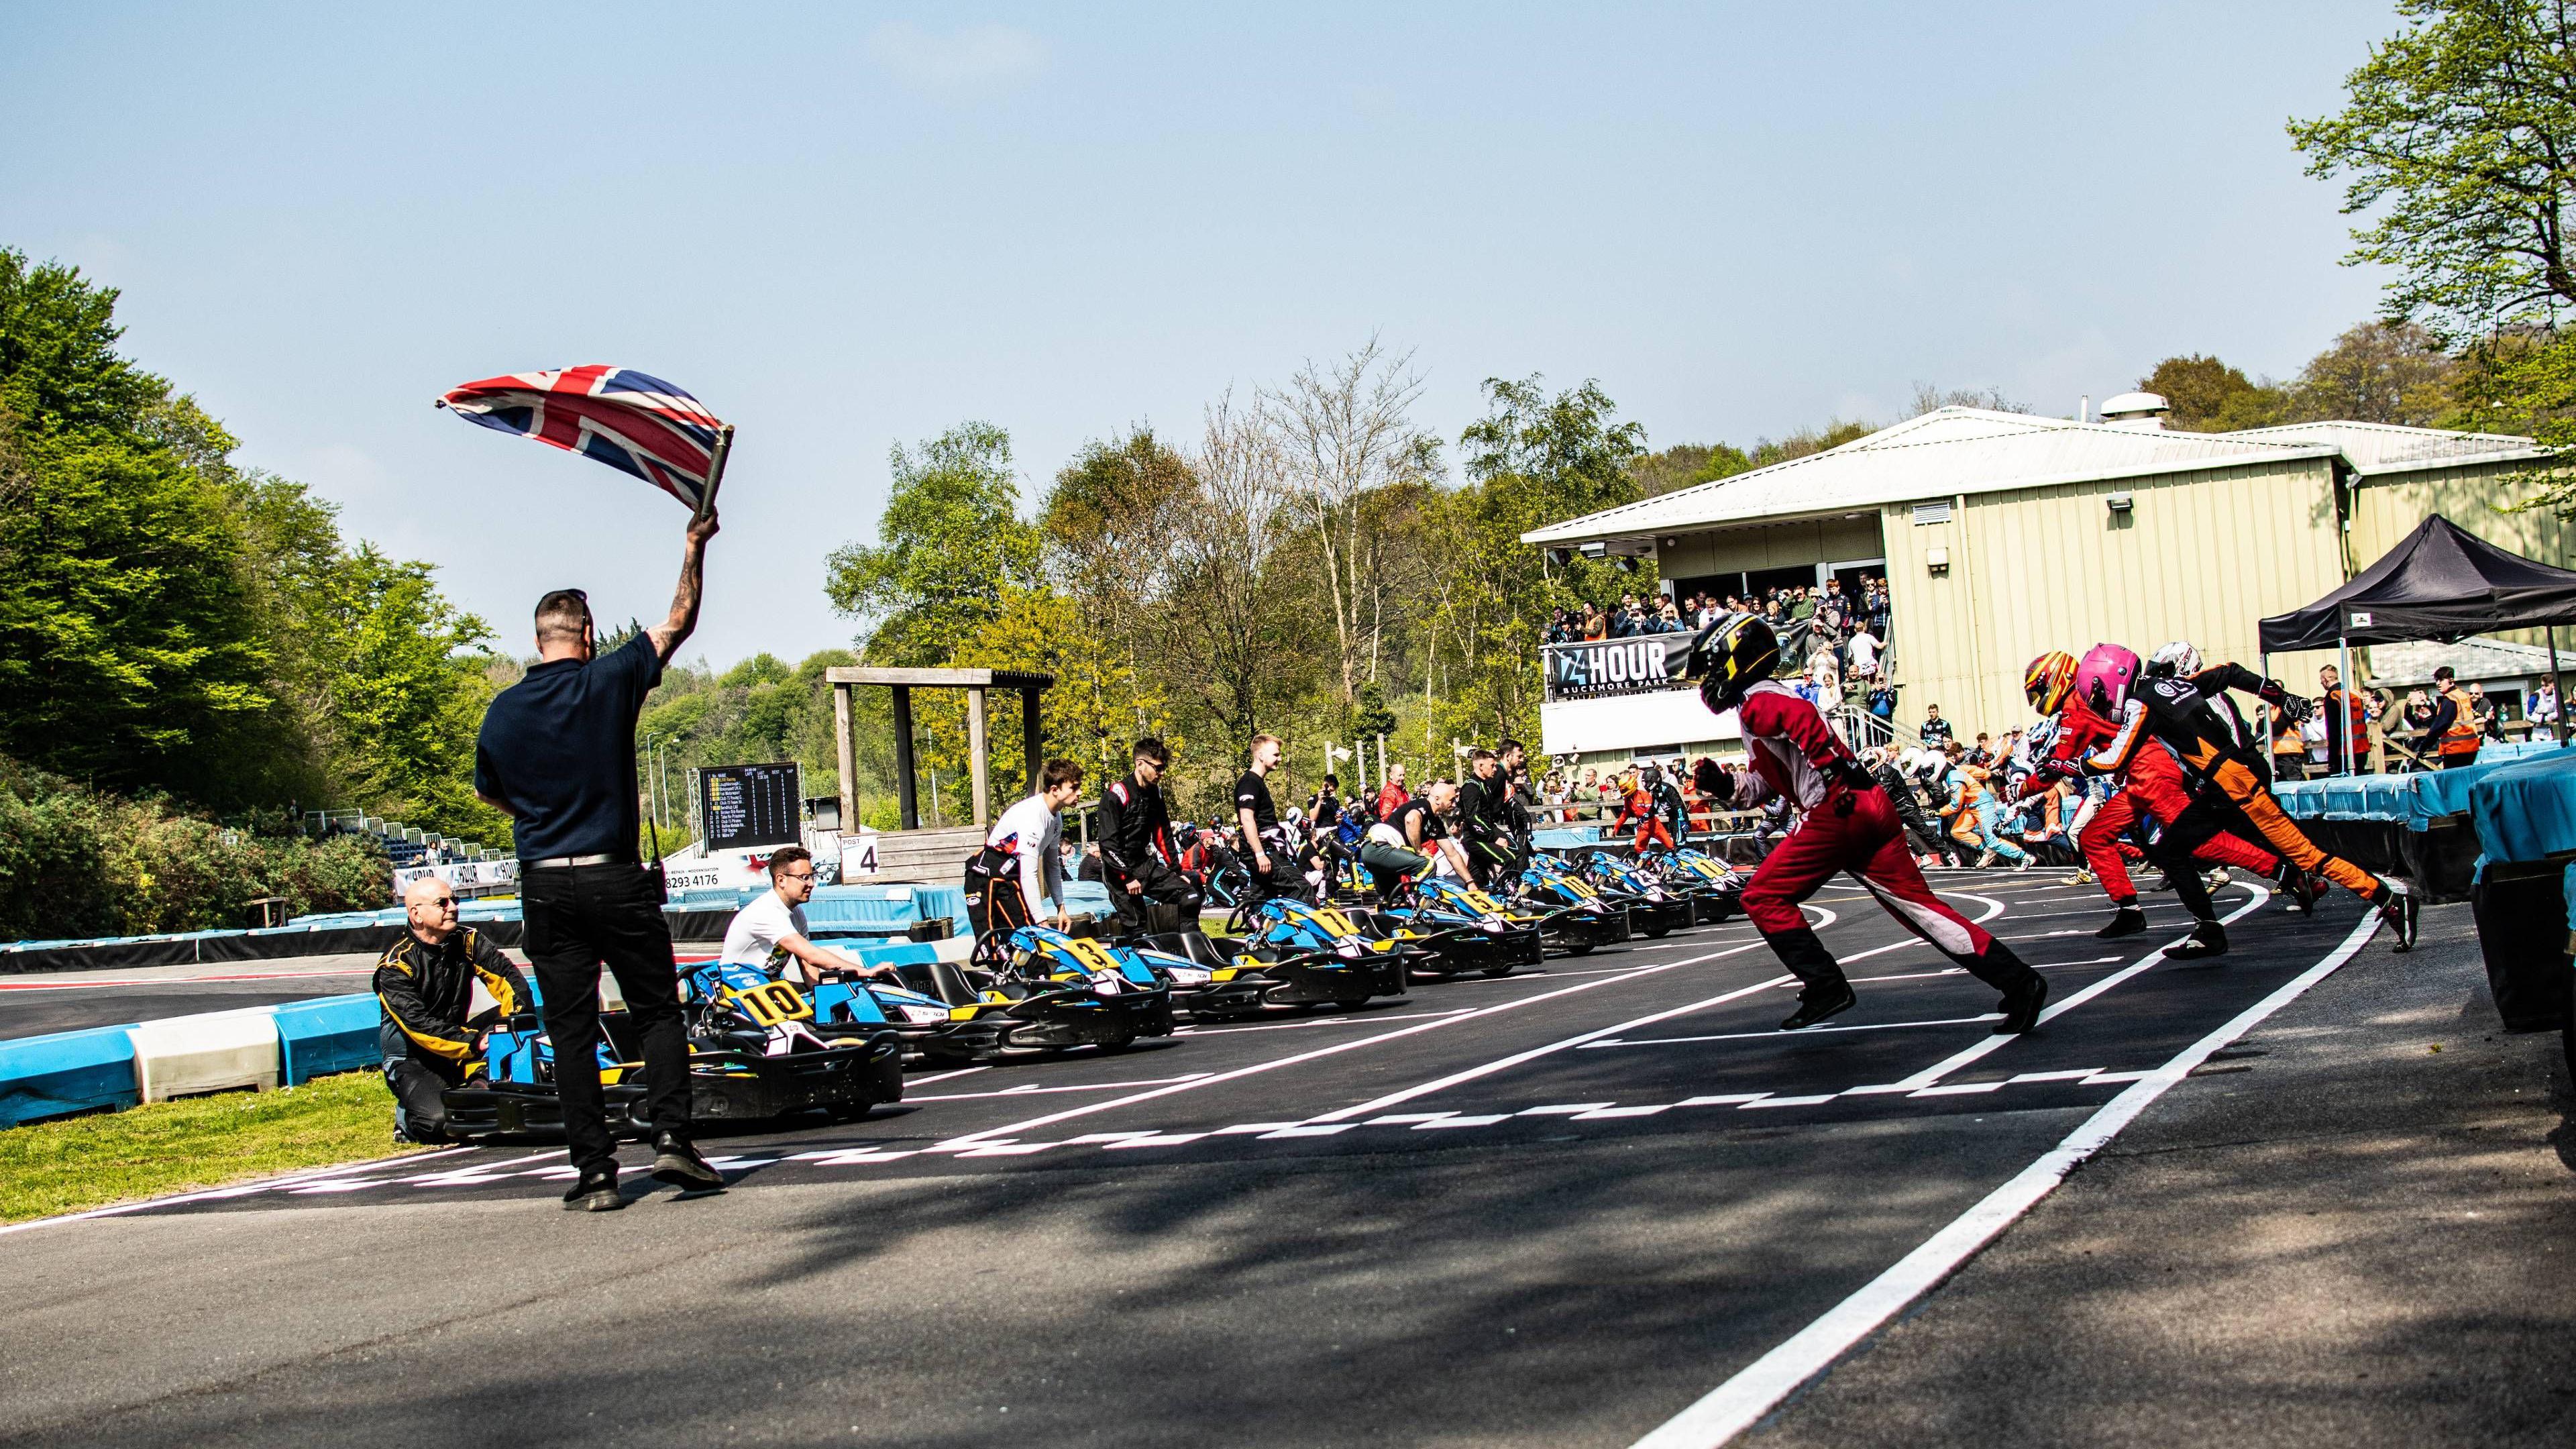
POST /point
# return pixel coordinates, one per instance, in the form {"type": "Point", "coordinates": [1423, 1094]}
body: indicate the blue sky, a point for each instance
{"type": "Point", "coordinates": [844, 226]}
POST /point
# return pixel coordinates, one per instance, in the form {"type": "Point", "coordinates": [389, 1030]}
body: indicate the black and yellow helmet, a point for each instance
{"type": "Point", "coordinates": [1734, 652]}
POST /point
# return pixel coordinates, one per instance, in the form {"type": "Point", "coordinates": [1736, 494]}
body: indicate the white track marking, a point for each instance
{"type": "Point", "coordinates": [1326, 1021]}
{"type": "Point", "coordinates": [1033, 1089]}
{"type": "Point", "coordinates": [1994, 909]}
{"type": "Point", "coordinates": [1742, 1401]}
{"type": "Point", "coordinates": [1787, 1102]}
{"type": "Point", "coordinates": [1534, 1053]}
{"type": "Point", "coordinates": [1935, 1072]}
{"type": "Point", "coordinates": [237, 1190]}
{"type": "Point", "coordinates": [1338, 1047]}
{"type": "Point", "coordinates": [1787, 1036]}
{"type": "Point", "coordinates": [943, 1076]}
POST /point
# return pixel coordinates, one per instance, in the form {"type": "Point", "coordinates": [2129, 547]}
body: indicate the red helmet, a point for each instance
{"type": "Point", "coordinates": [2048, 679]}
{"type": "Point", "coordinates": [2105, 677]}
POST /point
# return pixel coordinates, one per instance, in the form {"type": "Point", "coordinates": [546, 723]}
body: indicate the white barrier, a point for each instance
{"type": "Point", "coordinates": [210, 1052]}
{"type": "Point", "coordinates": [955, 950]}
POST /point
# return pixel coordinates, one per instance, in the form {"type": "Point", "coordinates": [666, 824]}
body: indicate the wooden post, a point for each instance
{"type": "Point", "coordinates": [975, 755]}
{"type": "Point", "coordinates": [1032, 737]}
{"type": "Point", "coordinates": [908, 789]}
{"type": "Point", "coordinates": [845, 753]}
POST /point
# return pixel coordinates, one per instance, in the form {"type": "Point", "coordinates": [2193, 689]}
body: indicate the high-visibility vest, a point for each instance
{"type": "Point", "coordinates": [2462, 737]}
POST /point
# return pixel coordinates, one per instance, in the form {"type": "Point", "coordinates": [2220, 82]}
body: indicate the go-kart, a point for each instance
{"type": "Point", "coordinates": [1461, 927]}
{"type": "Point", "coordinates": [1053, 991]}
{"type": "Point", "coordinates": [1572, 916]}
{"type": "Point", "coordinates": [1713, 887]}
{"type": "Point", "coordinates": [930, 1028]}
{"type": "Point", "coordinates": [755, 1052]}
{"type": "Point", "coordinates": [1656, 911]}
{"type": "Point", "coordinates": [1291, 954]}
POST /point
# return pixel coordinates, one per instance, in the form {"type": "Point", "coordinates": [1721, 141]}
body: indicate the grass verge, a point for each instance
{"type": "Point", "coordinates": [79, 1163]}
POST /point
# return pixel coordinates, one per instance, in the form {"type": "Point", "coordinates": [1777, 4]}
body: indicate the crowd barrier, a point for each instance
{"type": "Point", "coordinates": [2414, 825]}
{"type": "Point", "coordinates": [2524, 814]}
{"type": "Point", "coordinates": [842, 911]}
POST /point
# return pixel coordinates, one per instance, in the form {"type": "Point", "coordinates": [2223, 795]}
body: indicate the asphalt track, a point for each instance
{"type": "Point", "coordinates": [36, 1003]}
{"type": "Point", "coordinates": [1555, 1209]}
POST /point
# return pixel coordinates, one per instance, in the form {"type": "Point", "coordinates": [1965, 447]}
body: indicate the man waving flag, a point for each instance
{"type": "Point", "coordinates": [626, 419]}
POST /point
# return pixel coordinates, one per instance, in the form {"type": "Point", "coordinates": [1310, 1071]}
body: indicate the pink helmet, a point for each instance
{"type": "Point", "coordinates": [2104, 677]}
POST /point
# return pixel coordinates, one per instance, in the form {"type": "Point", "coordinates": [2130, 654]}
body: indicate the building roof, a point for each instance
{"type": "Point", "coordinates": [1938, 455]}
{"type": "Point", "coordinates": [2377, 448]}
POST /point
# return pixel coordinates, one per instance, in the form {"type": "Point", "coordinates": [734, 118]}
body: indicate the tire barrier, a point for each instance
{"type": "Point", "coordinates": [213, 1051]}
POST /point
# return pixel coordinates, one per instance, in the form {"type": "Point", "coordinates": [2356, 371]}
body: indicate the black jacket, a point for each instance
{"type": "Point", "coordinates": [1484, 809]}
{"type": "Point", "coordinates": [1135, 828]}
{"type": "Point", "coordinates": [426, 990]}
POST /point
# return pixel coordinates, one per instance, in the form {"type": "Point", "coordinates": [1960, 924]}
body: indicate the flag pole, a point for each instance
{"type": "Point", "coordinates": [715, 471]}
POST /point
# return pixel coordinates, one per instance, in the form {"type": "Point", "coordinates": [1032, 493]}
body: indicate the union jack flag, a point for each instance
{"type": "Point", "coordinates": [633, 423]}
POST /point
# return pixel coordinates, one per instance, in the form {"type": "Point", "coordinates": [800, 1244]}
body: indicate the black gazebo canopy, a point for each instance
{"type": "Point", "coordinates": [2441, 582]}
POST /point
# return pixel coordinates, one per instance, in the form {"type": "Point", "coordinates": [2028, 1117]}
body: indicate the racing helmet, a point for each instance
{"type": "Point", "coordinates": [1737, 651]}
{"type": "Point", "coordinates": [2104, 677]}
{"type": "Point", "coordinates": [2048, 680]}
{"type": "Point", "coordinates": [2176, 658]}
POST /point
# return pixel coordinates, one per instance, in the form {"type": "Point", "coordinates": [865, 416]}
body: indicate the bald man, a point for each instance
{"type": "Point", "coordinates": [430, 1035]}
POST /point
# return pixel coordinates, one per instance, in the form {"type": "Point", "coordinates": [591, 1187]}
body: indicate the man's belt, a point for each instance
{"type": "Point", "coordinates": [558, 862]}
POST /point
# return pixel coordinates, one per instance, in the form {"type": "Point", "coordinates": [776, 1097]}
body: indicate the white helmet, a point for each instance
{"type": "Point", "coordinates": [2177, 658]}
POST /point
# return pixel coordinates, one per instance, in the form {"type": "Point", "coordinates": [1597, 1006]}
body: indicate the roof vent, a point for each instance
{"type": "Point", "coordinates": [2144, 410]}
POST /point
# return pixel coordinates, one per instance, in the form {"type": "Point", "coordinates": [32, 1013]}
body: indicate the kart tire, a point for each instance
{"type": "Point", "coordinates": [1579, 948]}
{"type": "Point", "coordinates": [1492, 971]}
{"type": "Point", "coordinates": [1354, 1003]}
{"type": "Point", "coordinates": [1657, 933]}
{"type": "Point", "coordinates": [889, 1083]}
{"type": "Point", "coordinates": [1119, 1043]}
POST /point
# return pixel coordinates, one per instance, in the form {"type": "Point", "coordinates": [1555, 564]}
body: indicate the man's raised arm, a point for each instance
{"type": "Point", "coordinates": [672, 632]}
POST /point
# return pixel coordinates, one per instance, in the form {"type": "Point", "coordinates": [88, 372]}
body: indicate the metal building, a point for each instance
{"type": "Point", "coordinates": [2003, 535]}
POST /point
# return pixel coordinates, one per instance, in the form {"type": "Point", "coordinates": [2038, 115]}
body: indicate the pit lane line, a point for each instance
{"type": "Point", "coordinates": [1745, 1398]}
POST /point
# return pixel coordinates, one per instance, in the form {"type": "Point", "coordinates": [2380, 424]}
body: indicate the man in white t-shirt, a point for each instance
{"type": "Point", "coordinates": [774, 923]}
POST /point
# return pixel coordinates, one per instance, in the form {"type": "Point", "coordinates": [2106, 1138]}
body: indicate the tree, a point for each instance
{"type": "Point", "coordinates": [409, 695]}
{"type": "Point", "coordinates": [2379, 372]}
{"type": "Point", "coordinates": [1236, 647]}
{"type": "Point", "coordinates": [2459, 134]}
{"type": "Point", "coordinates": [950, 541]}
{"type": "Point", "coordinates": [1686, 465]}
{"type": "Point", "coordinates": [1346, 434]}
{"type": "Point", "coordinates": [1107, 526]}
{"type": "Point", "coordinates": [2208, 396]}
{"type": "Point", "coordinates": [1930, 398]}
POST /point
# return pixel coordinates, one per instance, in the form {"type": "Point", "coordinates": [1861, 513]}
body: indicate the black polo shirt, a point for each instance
{"type": "Point", "coordinates": [1252, 793]}
{"type": "Point", "coordinates": [559, 747]}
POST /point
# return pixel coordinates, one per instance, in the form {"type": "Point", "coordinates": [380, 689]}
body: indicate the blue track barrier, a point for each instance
{"type": "Point", "coordinates": [67, 1072]}
{"type": "Point", "coordinates": [331, 1034]}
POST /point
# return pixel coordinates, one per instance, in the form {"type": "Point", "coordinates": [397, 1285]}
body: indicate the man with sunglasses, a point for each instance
{"type": "Point", "coordinates": [557, 755]}
{"type": "Point", "coordinates": [430, 1035]}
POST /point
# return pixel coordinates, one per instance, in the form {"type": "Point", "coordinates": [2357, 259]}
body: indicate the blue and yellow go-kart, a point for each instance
{"type": "Point", "coordinates": [1054, 991]}
{"type": "Point", "coordinates": [1291, 954]}
{"type": "Point", "coordinates": [1713, 887]}
{"type": "Point", "coordinates": [755, 1053]}
{"type": "Point", "coordinates": [1655, 911]}
{"type": "Point", "coordinates": [1572, 916]}
{"type": "Point", "coordinates": [1462, 928]}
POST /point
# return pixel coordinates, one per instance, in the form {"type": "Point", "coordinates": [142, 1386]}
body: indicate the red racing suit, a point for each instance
{"type": "Point", "coordinates": [2151, 784]}
{"type": "Point", "coordinates": [1846, 826]}
{"type": "Point", "coordinates": [1640, 811]}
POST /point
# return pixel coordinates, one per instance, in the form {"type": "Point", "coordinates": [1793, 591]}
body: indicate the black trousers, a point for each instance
{"type": "Point", "coordinates": [1169, 901]}
{"type": "Point", "coordinates": [994, 906]}
{"type": "Point", "coordinates": [420, 1113]}
{"type": "Point", "coordinates": [575, 919]}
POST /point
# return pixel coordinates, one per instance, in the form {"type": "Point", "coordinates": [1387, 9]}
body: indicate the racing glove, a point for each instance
{"type": "Point", "coordinates": [1854, 777]}
{"type": "Point", "coordinates": [2296, 707]}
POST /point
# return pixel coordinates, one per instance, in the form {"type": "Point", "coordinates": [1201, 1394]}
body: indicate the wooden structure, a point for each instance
{"type": "Point", "coordinates": [977, 683]}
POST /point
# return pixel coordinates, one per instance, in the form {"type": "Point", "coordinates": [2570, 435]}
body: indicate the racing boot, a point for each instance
{"type": "Point", "coordinates": [676, 1161]}
{"type": "Point", "coordinates": [595, 1192]}
{"type": "Point", "coordinates": [2207, 939]}
{"type": "Point", "coordinates": [1827, 993]}
{"type": "Point", "coordinates": [2126, 920]}
{"type": "Point", "coordinates": [2021, 1005]}
{"type": "Point", "coordinates": [2400, 910]}
{"type": "Point", "coordinates": [2299, 886]}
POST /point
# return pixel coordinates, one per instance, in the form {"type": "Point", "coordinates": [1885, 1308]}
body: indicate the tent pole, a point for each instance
{"type": "Point", "coordinates": [2343, 676]}
{"type": "Point", "coordinates": [2559, 724]}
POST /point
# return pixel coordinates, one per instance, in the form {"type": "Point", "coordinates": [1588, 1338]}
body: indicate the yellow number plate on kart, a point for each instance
{"type": "Point", "coordinates": [1481, 901]}
{"type": "Point", "coordinates": [1092, 955]}
{"type": "Point", "coordinates": [772, 1002]}
{"type": "Point", "coordinates": [1334, 922]}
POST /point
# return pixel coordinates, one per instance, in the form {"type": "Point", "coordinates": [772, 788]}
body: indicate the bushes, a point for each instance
{"type": "Point", "coordinates": [80, 862]}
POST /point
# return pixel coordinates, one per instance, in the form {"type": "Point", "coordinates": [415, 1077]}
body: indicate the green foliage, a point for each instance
{"type": "Point", "coordinates": [1687, 465]}
{"type": "Point", "coordinates": [2458, 138]}
{"type": "Point", "coordinates": [949, 542]}
{"type": "Point", "coordinates": [408, 695]}
{"type": "Point", "coordinates": [2208, 396]}
{"type": "Point", "coordinates": [2380, 372]}
{"type": "Point", "coordinates": [758, 711]}
{"type": "Point", "coordinates": [80, 862]}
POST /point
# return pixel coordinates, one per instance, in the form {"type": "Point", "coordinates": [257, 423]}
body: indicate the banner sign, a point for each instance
{"type": "Point", "coordinates": [1618, 666]}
